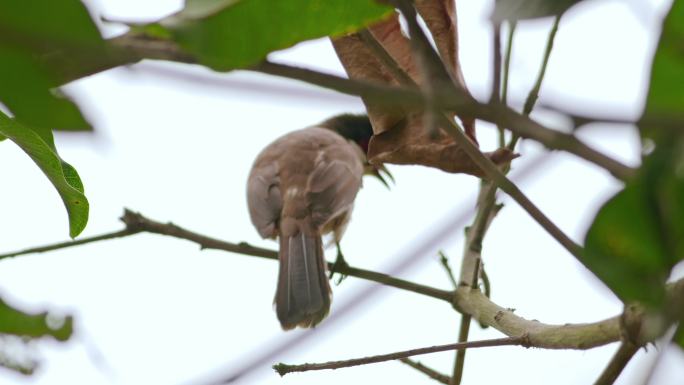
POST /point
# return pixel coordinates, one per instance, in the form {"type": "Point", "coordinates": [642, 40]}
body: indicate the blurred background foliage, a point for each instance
{"type": "Point", "coordinates": [632, 245]}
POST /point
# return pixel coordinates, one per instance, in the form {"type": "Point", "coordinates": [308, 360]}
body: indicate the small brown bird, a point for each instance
{"type": "Point", "coordinates": [303, 186]}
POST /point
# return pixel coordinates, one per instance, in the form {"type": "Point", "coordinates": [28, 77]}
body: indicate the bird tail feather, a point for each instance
{"type": "Point", "coordinates": [303, 293]}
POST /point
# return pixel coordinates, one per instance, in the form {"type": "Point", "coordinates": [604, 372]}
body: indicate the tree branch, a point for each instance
{"type": "Point", "coordinates": [534, 93]}
{"type": "Point", "coordinates": [55, 246]}
{"type": "Point", "coordinates": [621, 358]}
{"type": "Point", "coordinates": [498, 114]}
{"type": "Point", "coordinates": [506, 73]}
{"type": "Point", "coordinates": [568, 336]}
{"type": "Point", "coordinates": [459, 361]}
{"type": "Point", "coordinates": [464, 299]}
{"type": "Point", "coordinates": [131, 48]}
{"type": "Point", "coordinates": [471, 265]}
{"type": "Point", "coordinates": [507, 61]}
{"type": "Point", "coordinates": [435, 375]}
{"type": "Point", "coordinates": [495, 97]}
{"type": "Point", "coordinates": [490, 169]}
{"type": "Point", "coordinates": [284, 369]}
{"type": "Point", "coordinates": [472, 258]}
{"type": "Point", "coordinates": [137, 223]}
{"type": "Point", "coordinates": [505, 184]}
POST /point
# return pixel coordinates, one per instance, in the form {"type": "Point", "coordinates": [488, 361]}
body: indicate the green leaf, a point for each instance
{"type": "Point", "coordinates": [40, 23]}
{"type": "Point", "coordinates": [666, 93]}
{"type": "Point", "coordinates": [623, 248]}
{"type": "Point", "coordinates": [13, 321]}
{"type": "Point", "coordinates": [39, 145]}
{"type": "Point", "coordinates": [26, 92]}
{"type": "Point", "coordinates": [40, 40]}
{"type": "Point", "coordinates": [679, 335]}
{"type": "Point", "coordinates": [225, 34]}
{"type": "Point", "coordinates": [198, 9]}
{"type": "Point", "coordinates": [514, 10]}
{"type": "Point", "coordinates": [638, 235]}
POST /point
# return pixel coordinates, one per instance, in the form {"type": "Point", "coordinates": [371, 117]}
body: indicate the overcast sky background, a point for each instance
{"type": "Point", "coordinates": [176, 142]}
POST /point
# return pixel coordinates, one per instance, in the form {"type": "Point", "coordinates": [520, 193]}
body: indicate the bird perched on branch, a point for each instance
{"type": "Point", "coordinates": [303, 186]}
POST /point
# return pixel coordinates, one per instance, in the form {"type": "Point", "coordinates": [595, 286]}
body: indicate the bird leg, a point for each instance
{"type": "Point", "coordinates": [339, 264]}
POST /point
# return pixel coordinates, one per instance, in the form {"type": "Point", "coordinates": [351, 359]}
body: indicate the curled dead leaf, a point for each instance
{"type": "Point", "coordinates": [401, 135]}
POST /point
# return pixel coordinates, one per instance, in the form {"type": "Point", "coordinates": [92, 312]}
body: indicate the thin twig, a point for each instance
{"type": "Point", "coordinates": [621, 358]}
{"type": "Point", "coordinates": [507, 61]}
{"type": "Point", "coordinates": [506, 74]}
{"type": "Point", "coordinates": [56, 246]}
{"type": "Point", "coordinates": [534, 93]}
{"type": "Point", "coordinates": [459, 361]}
{"type": "Point", "coordinates": [512, 190]}
{"type": "Point", "coordinates": [137, 223]}
{"type": "Point", "coordinates": [428, 371]}
{"type": "Point", "coordinates": [284, 369]}
{"type": "Point", "coordinates": [445, 263]}
{"type": "Point", "coordinates": [495, 96]}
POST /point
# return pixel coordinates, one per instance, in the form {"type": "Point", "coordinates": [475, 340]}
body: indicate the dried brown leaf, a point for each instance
{"type": "Point", "coordinates": [401, 135]}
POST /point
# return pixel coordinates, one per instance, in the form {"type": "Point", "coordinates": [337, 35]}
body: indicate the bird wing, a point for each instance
{"type": "Point", "coordinates": [334, 182]}
{"type": "Point", "coordinates": [264, 199]}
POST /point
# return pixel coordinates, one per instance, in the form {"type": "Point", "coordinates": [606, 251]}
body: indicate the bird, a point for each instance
{"type": "Point", "coordinates": [301, 187]}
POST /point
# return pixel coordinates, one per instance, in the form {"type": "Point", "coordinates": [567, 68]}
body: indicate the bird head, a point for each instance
{"type": "Point", "coordinates": [358, 130]}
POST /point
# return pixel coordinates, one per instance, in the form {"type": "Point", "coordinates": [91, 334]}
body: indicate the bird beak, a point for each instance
{"type": "Point", "coordinates": [378, 171]}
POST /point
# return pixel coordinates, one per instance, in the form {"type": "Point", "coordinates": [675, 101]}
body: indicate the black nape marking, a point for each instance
{"type": "Point", "coordinates": [356, 128]}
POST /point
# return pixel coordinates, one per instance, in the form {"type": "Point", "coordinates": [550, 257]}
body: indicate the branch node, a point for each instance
{"type": "Point", "coordinates": [525, 341]}
{"type": "Point", "coordinates": [498, 316]}
{"type": "Point", "coordinates": [133, 220]}
{"type": "Point", "coordinates": [282, 369]}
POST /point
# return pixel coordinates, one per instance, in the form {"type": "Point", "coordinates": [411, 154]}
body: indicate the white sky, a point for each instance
{"type": "Point", "coordinates": [157, 310]}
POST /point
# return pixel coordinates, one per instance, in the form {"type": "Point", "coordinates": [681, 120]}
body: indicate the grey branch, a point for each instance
{"type": "Point", "coordinates": [41, 249]}
{"type": "Point", "coordinates": [131, 48]}
{"type": "Point", "coordinates": [465, 299]}
{"type": "Point", "coordinates": [284, 369]}
{"type": "Point", "coordinates": [137, 223]}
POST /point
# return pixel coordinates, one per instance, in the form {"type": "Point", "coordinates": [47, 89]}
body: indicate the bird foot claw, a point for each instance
{"type": "Point", "coordinates": [340, 264]}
